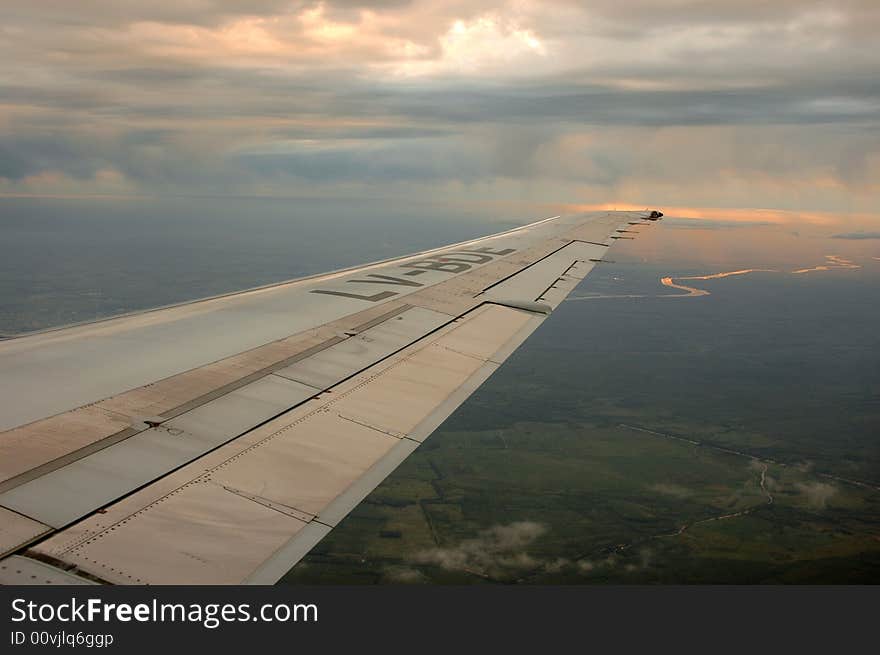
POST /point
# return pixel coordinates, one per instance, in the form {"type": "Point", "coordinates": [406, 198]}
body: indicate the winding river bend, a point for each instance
{"type": "Point", "coordinates": [692, 291]}
{"type": "Point", "coordinates": [832, 262]}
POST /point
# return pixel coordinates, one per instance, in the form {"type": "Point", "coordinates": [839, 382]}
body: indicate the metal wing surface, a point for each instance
{"type": "Point", "coordinates": [217, 441]}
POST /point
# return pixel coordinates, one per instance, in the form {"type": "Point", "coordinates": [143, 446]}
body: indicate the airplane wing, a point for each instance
{"type": "Point", "coordinates": [217, 441]}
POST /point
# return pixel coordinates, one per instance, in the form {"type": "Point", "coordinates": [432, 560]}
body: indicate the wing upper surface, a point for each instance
{"type": "Point", "coordinates": [295, 402]}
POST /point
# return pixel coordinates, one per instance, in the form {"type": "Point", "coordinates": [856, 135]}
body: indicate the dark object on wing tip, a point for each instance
{"type": "Point", "coordinates": [655, 215]}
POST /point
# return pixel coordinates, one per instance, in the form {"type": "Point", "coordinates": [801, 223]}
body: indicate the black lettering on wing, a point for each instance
{"type": "Point", "coordinates": [489, 251]}
{"type": "Point", "coordinates": [389, 279]}
{"type": "Point", "coordinates": [376, 297]}
{"type": "Point", "coordinates": [439, 264]}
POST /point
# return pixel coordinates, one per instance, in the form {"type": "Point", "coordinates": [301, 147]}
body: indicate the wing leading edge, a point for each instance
{"type": "Point", "coordinates": [268, 415]}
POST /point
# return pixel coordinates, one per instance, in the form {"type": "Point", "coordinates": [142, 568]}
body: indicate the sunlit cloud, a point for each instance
{"type": "Point", "coordinates": [738, 215]}
{"type": "Point", "coordinates": [487, 43]}
{"type": "Point", "coordinates": [689, 105]}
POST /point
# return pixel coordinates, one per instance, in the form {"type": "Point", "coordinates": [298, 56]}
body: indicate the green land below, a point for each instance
{"type": "Point", "coordinates": [731, 438]}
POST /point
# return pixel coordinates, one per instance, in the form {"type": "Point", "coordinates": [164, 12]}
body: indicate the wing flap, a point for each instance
{"type": "Point", "coordinates": [365, 348]}
{"type": "Point", "coordinates": [532, 283]}
{"type": "Point", "coordinates": [18, 570]}
{"type": "Point", "coordinates": [200, 533]}
{"type": "Point", "coordinates": [16, 530]}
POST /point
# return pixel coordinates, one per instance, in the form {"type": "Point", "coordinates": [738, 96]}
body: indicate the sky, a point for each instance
{"type": "Point", "coordinates": [684, 103]}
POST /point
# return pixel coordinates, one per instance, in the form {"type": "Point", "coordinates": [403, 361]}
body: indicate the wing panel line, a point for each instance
{"type": "Point", "coordinates": [122, 435]}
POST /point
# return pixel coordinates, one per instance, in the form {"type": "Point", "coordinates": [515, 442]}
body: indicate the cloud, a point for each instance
{"type": "Point", "coordinates": [408, 160]}
{"type": "Point", "coordinates": [484, 43]}
{"type": "Point", "coordinates": [404, 575]}
{"type": "Point", "coordinates": [857, 235]}
{"type": "Point", "coordinates": [557, 565]}
{"type": "Point", "coordinates": [817, 494]}
{"type": "Point", "coordinates": [499, 551]}
{"type": "Point", "coordinates": [502, 553]}
{"type": "Point", "coordinates": [640, 561]}
{"type": "Point", "coordinates": [694, 103]}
